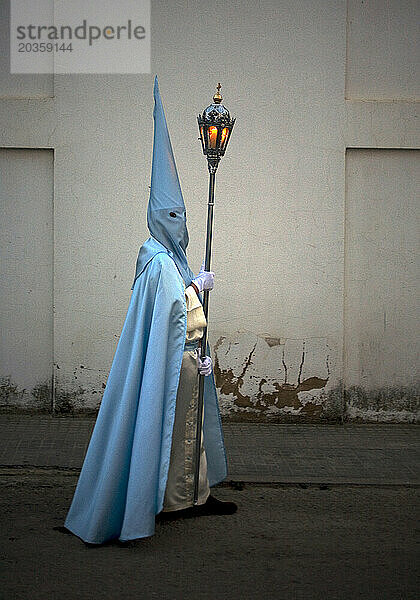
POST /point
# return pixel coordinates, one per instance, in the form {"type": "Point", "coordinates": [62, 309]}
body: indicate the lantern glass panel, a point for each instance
{"type": "Point", "coordinates": [224, 138]}
{"type": "Point", "coordinates": [207, 134]}
{"type": "Point", "coordinates": [213, 131]}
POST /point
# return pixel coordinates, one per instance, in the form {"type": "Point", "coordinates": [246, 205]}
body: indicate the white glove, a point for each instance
{"type": "Point", "coordinates": [204, 364]}
{"type": "Point", "coordinates": [204, 279]}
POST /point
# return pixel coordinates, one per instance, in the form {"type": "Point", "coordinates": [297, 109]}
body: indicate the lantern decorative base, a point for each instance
{"type": "Point", "coordinates": [212, 164]}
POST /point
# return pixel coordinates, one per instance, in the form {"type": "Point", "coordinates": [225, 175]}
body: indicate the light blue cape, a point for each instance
{"type": "Point", "coordinates": [123, 479]}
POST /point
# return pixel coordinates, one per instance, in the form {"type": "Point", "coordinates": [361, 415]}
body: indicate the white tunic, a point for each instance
{"type": "Point", "coordinates": [179, 492]}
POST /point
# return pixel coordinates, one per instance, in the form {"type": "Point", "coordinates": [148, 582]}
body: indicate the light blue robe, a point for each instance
{"type": "Point", "coordinates": [123, 479]}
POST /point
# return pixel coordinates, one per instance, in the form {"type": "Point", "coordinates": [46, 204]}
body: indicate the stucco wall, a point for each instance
{"type": "Point", "coordinates": [307, 82]}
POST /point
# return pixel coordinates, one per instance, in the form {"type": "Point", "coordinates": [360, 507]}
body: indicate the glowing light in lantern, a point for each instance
{"type": "Point", "coordinates": [224, 134]}
{"type": "Point", "coordinates": [213, 136]}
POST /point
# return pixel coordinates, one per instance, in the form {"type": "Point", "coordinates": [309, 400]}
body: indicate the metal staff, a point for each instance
{"type": "Point", "coordinates": [215, 125]}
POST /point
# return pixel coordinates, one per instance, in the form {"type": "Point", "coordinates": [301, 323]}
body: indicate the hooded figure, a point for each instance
{"type": "Point", "coordinates": [124, 480]}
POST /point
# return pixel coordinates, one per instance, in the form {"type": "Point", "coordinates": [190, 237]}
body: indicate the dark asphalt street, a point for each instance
{"type": "Point", "coordinates": [285, 542]}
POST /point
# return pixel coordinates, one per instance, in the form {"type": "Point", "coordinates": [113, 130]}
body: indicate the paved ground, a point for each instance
{"type": "Point", "coordinates": [360, 454]}
{"type": "Point", "coordinates": [338, 519]}
{"type": "Point", "coordinates": [284, 543]}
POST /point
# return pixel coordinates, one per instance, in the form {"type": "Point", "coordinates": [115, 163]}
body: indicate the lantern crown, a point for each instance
{"type": "Point", "coordinates": [217, 114]}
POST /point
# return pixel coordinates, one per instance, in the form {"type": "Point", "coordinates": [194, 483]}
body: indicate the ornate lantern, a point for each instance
{"type": "Point", "coordinates": [215, 125]}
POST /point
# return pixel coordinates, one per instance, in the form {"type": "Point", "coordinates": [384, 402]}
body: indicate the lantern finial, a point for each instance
{"type": "Point", "coordinates": [217, 98]}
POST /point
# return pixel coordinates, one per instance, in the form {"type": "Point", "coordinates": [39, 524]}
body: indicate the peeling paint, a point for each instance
{"type": "Point", "coordinates": [253, 383]}
{"type": "Point", "coordinates": [260, 378]}
{"type": "Point", "coordinates": [273, 341]}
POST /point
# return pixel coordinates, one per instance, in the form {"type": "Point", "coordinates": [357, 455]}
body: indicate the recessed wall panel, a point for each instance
{"type": "Point", "coordinates": [26, 290]}
{"type": "Point", "coordinates": [381, 315]}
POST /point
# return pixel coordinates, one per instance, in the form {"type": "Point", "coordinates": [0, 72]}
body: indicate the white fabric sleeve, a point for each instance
{"type": "Point", "coordinates": [196, 320]}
